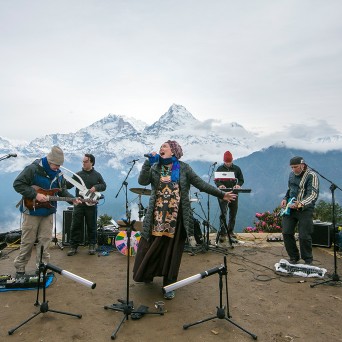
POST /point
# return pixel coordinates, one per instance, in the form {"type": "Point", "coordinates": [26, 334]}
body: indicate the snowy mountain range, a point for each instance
{"type": "Point", "coordinates": [116, 140]}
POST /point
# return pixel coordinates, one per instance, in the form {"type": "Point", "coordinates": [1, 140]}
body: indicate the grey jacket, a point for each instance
{"type": "Point", "coordinates": [151, 175]}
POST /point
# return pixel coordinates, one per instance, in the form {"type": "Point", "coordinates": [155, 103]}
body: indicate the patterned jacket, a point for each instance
{"type": "Point", "coordinates": [151, 175]}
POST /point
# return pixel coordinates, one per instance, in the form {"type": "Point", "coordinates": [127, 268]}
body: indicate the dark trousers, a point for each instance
{"type": "Point", "coordinates": [233, 209]}
{"type": "Point", "coordinates": [80, 213]}
{"type": "Point", "coordinates": [304, 219]}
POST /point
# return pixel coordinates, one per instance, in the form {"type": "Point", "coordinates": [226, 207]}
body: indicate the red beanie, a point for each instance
{"type": "Point", "coordinates": [227, 157]}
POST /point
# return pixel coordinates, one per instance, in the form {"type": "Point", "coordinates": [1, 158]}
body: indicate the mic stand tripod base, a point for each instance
{"type": "Point", "coordinates": [128, 310]}
{"type": "Point", "coordinates": [44, 306]}
{"type": "Point", "coordinates": [127, 306]}
{"type": "Point", "coordinates": [334, 279]}
{"type": "Point", "coordinates": [58, 243]}
{"type": "Point", "coordinates": [221, 310]}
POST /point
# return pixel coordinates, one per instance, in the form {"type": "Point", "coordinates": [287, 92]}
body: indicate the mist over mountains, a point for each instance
{"type": "Point", "coordinates": [116, 140]}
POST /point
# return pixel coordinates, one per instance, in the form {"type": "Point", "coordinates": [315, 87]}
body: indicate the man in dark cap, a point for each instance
{"type": "Point", "coordinates": [34, 183]}
{"type": "Point", "coordinates": [303, 186]}
{"type": "Point", "coordinates": [229, 183]}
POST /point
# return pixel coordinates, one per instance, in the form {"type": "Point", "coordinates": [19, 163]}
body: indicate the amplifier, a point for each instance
{"type": "Point", "coordinates": [322, 233]}
{"type": "Point", "coordinates": [67, 218]}
{"type": "Point", "coordinates": [106, 237]}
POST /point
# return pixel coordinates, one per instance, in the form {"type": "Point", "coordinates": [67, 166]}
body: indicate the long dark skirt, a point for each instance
{"type": "Point", "coordinates": [160, 257]}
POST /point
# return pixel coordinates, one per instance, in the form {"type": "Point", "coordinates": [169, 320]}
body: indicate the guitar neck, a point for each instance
{"type": "Point", "coordinates": [69, 199]}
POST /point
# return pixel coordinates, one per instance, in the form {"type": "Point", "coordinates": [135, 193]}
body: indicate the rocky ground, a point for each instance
{"type": "Point", "coordinates": [273, 306]}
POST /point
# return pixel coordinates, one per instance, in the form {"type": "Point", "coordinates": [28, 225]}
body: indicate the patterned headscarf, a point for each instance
{"type": "Point", "coordinates": [176, 149]}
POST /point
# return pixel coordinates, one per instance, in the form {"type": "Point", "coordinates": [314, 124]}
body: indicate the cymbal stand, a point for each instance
{"type": "Point", "coordinates": [127, 306]}
{"type": "Point", "coordinates": [141, 209]}
{"type": "Point", "coordinates": [221, 309]}
{"type": "Point", "coordinates": [55, 239]}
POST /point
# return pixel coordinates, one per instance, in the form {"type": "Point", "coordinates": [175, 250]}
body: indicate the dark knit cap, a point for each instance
{"type": "Point", "coordinates": [56, 156]}
{"type": "Point", "coordinates": [176, 149]}
{"type": "Point", "coordinates": [296, 161]}
{"type": "Point", "coordinates": [227, 157]}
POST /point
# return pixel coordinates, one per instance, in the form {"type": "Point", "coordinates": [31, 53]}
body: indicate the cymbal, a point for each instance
{"type": "Point", "coordinates": [141, 191]}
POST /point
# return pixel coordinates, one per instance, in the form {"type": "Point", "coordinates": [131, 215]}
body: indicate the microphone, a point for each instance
{"type": "Point", "coordinates": [12, 155]}
{"type": "Point", "coordinates": [147, 155]}
{"type": "Point", "coordinates": [214, 164]}
{"type": "Point", "coordinates": [134, 160]}
{"type": "Point", "coordinates": [70, 275]}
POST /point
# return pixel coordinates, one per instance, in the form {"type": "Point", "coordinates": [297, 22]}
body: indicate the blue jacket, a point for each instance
{"type": "Point", "coordinates": [35, 174]}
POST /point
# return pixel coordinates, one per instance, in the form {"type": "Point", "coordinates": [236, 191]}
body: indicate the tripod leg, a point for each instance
{"type": "Point", "coordinates": [66, 313]}
{"type": "Point", "coordinates": [186, 326]}
{"type": "Point", "coordinates": [243, 329]}
{"type": "Point", "coordinates": [118, 327]}
{"type": "Point", "coordinates": [11, 331]}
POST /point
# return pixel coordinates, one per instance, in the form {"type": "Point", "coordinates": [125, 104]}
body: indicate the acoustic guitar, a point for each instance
{"type": "Point", "coordinates": [33, 204]}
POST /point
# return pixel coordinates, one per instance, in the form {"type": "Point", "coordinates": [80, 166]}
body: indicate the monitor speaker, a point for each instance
{"type": "Point", "coordinates": [67, 218]}
{"type": "Point", "coordinates": [322, 233]}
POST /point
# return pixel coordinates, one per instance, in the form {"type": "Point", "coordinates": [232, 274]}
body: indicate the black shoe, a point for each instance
{"type": "Point", "coordinates": [308, 262]}
{"type": "Point", "coordinates": [92, 250]}
{"type": "Point", "coordinates": [73, 251]}
{"type": "Point", "coordinates": [293, 260]}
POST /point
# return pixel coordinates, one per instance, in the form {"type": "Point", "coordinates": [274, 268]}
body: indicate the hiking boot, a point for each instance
{"type": "Point", "coordinates": [73, 251]}
{"type": "Point", "coordinates": [20, 272]}
{"type": "Point", "coordinates": [92, 250]}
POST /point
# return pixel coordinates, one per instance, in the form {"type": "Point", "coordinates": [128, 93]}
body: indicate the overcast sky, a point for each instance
{"type": "Point", "coordinates": [266, 65]}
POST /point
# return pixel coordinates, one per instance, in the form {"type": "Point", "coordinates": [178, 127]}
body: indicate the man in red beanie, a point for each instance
{"type": "Point", "coordinates": [231, 183]}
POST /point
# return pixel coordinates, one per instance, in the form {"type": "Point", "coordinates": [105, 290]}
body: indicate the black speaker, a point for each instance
{"type": "Point", "coordinates": [67, 218]}
{"type": "Point", "coordinates": [322, 233]}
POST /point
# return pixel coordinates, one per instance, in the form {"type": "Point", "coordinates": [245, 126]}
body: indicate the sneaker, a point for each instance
{"type": "Point", "coordinates": [92, 250]}
{"type": "Point", "coordinates": [73, 251]}
{"type": "Point", "coordinates": [308, 262]}
{"type": "Point", "coordinates": [19, 274]}
{"type": "Point", "coordinates": [170, 295]}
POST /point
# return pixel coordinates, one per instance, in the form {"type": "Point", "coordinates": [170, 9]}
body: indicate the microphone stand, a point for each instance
{"type": "Point", "coordinates": [7, 156]}
{"type": "Point", "coordinates": [127, 306]}
{"type": "Point", "coordinates": [206, 224]}
{"type": "Point", "coordinates": [44, 306]}
{"type": "Point", "coordinates": [216, 248]}
{"type": "Point", "coordinates": [335, 278]}
{"type": "Point", "coordinates": [221, 309]}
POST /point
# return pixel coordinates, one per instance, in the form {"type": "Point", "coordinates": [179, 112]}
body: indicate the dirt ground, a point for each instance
{"type": "Point", "coordinates": [262, 303]}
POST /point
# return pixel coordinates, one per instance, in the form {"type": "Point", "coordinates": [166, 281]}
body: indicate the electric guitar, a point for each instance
{"type": "Point", "coordinates": [85, 193]}
{"type": "Point", "coordinates": [286, 210]}
{"type": "Point", "coordinates": [33, 204]}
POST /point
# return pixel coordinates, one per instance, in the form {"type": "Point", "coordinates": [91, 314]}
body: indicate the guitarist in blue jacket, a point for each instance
{"type": "Point", "coordinates": [36, 183]}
